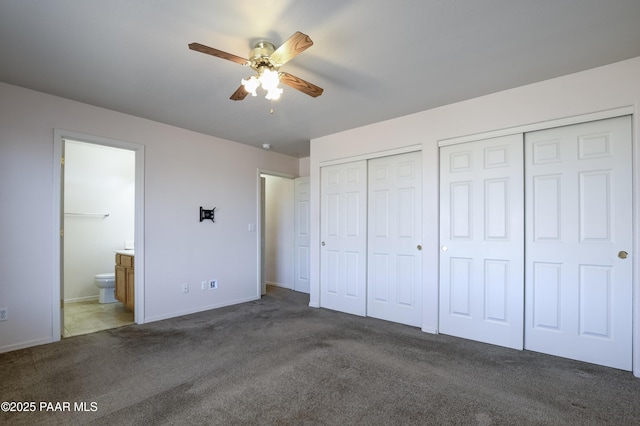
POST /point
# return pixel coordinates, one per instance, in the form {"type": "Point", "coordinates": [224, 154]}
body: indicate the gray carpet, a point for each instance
{"type": "Point", "coordinates": [277, 361]}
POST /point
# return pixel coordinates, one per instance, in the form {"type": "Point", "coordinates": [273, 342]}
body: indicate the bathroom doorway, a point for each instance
{"type": "Point", "coordinates": [100, 194]}
{"type": "Point", "coordinates": [99, 213]}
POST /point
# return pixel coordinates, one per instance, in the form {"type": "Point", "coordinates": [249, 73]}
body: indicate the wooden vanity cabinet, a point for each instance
{"type": "Point", "coordinates": [125, 280]}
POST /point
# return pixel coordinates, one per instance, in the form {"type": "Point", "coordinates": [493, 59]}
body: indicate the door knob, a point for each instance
{"type": "Point", "coordinates": [444, 248]}
{"type": "Point", "coordinates": [623, 254]}
{"type": "Point", "coordinates": [419, 247]}
{"type": "Point", "coordinates": [322, 244]}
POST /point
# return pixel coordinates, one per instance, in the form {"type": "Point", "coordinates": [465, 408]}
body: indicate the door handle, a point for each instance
{"type": "Point", "coordinates": [419, 247]}
{"type": "Point", "coordinates": [444, 248]}
{"type": "Point", "coordinates": [623, 254]}
{"type": "Point", "coordinates": [323, 244]}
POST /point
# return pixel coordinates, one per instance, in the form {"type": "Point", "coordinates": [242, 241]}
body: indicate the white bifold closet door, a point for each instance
{"type": "Point", "coordinates": [579, 234]}
{"type": "Point", "coordinates": [482, 241]}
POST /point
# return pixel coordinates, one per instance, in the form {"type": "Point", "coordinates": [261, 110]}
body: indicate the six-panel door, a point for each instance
{"type": "Point", "coordinates": [394, 256]}
{"type": "Point", "coordinates": [343, 231]}
{"type": "Point", "coordinates": [578, 290]}
{"type": "Point", "coordinates": [481, 241]}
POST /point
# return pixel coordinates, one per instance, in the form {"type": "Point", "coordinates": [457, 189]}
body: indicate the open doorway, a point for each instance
{"type": "Point", "coordinates": [98, 192]}
{"type": "Point", "coordinates": [283, 238]}
{"type": "Point", "coordinates": [99, 217]}
{"type": "Point", "coordinates": [276, 230]}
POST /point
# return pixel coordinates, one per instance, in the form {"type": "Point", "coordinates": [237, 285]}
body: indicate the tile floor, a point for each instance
{"type": "Point", "coordinates": [90, 316]}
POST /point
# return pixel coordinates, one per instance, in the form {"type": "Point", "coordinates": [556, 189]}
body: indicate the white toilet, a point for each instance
{"type": "Point", "coordinates": [107, 285]}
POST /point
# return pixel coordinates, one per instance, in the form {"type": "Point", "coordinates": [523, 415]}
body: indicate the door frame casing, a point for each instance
{"type": "Point", "coordinates": [59, 135]}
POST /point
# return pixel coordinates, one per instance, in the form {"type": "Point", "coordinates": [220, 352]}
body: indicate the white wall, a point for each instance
{"type": "Point", "coordinates": [183, 171]}
{"type": "Point", "coordinates": [279, 231]}
{"type": "Point", "coordinates": [604, 88]}
{"type": "Point", "coordinates": [304, 166]}
{"type": "Point", "coordinates": [98, 179]}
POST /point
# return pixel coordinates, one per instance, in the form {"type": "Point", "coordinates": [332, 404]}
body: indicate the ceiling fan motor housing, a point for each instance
{"type": "Point", "coordinates": [260, 56]}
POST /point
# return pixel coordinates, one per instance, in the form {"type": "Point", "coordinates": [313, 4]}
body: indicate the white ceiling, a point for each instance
{"type": "Point", "coordinates": [375, 59]}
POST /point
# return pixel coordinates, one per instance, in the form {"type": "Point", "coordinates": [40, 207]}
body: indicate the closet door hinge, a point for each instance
{"type": "Point", "coordinates": [62, 161]}
{"type": "Point", "coordinates": [62, 233]}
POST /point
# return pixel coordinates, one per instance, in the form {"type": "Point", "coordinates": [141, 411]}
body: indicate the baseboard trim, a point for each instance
{"type": "Point", "coordinates": [199, 309]}
{"type": "Point", "coordinates": [82, 299]}
{"type": "Point", "coordinates": [25, 345]}
{"type": "Point", "coordinates": [288, 287]}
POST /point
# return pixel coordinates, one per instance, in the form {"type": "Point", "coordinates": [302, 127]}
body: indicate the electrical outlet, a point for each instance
{"type": "Point", "coordinates": [185, 288]}
{"type": "Point", "coordinates": [213, 284]}
{"type": "Point", "coordinates": [4, 314]}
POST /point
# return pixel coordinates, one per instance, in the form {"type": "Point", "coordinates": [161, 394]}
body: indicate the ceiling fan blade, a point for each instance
{"type": "Point", "coordinates": [215, 52]}
{"type": "Point", "coordinates": [294, 45]}
{"type": "Point", "coordinates": [239, 94]}
{"type": "Point", "coordinates": [301, 85]}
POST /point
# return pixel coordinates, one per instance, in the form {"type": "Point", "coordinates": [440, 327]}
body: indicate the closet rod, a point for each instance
{"type": "Point", "coordinates": [87, 214]}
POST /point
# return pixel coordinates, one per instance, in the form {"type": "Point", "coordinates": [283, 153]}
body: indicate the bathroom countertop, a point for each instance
{"type": "Point", "coordinates": [128, 252]}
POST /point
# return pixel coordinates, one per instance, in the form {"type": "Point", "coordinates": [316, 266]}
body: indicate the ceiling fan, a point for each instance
{"type": "Point", "coordinates": [266, 60]}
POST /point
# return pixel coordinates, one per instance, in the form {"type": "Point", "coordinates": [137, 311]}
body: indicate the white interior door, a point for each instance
{"type": "Point", "coordinates": [394, 279]}
{"type": "Point", "coordinates": [481, 237]}
{"type": "Point", "coordinates": [578, 286]}
{"type": "Point", "coordinates": [301, 239]}
{"type": "Point", "coordinates": [343, 231]}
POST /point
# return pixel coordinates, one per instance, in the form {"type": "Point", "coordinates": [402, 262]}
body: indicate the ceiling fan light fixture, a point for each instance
{"type": "Point", "coordinates": [268, 79]}
{"type": "Point", "coordinates": [274, 94]}
{"type": "Point", "coordinates": [251, 85]}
